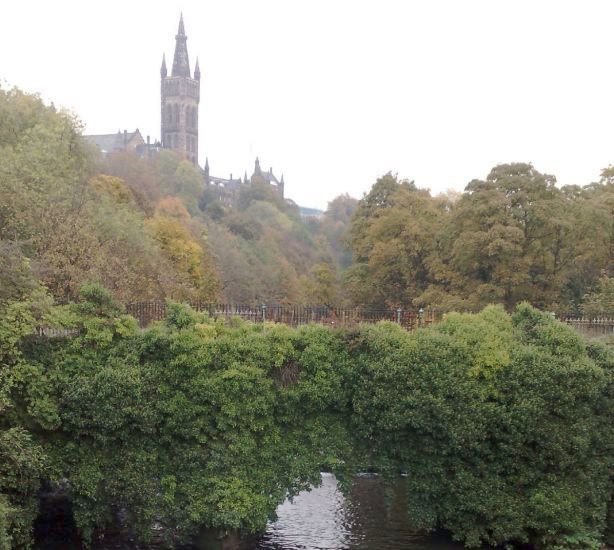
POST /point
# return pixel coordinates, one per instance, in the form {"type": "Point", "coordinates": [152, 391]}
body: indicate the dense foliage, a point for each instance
{"type": "Point", "coordinates": [500, 423]}
{"type": "Point", "coordinates": [512, 237]}
{"type": "Point", "coordinates": [150, 229]}
{"type": "Point", "coordinates": [73, 224]}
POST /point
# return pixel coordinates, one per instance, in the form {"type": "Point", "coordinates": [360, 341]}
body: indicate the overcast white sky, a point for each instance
{"type": "Point", "coordinates": [334, 93]}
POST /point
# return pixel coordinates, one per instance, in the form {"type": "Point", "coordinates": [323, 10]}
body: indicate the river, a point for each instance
{"type": "Point", "coordinates": [320, 519]}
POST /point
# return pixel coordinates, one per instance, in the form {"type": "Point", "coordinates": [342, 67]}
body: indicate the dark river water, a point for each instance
{"type": "Point", "coordinates": [320, 519]}
{"type": "Point", "coordinates": [323, 519]}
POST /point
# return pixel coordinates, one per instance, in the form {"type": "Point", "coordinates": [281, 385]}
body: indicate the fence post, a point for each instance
{"type": "Point", "coordinates": [399, 311]}
{"type": "Point", "coordinates": [421, 317]}
{"type": "Point", "coordinates": [263, 308]}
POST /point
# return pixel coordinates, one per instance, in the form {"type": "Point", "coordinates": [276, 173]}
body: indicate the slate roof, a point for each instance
{"type": "Point", "coordinates": [109, 143]}
{"type": "Point", "coordinates": [269, 178]}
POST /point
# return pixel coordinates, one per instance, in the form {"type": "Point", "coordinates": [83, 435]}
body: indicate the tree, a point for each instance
{"type": "Point", "coordinates": [320, 287]}
{"type": "Point", "coordinates": [393, 238]}
{"type": "Point", "coordinates": [601, 301]}
{"type": "Point", "coordinates": [507, 240]}
{"type": "Point", "coordinates": [186, 255]}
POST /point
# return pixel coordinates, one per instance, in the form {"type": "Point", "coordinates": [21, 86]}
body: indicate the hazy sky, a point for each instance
{"type": "Point", "coordinates": [334, 93]}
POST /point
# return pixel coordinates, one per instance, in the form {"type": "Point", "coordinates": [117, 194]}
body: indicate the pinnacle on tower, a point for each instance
{"type": "Point", "coordinates": [163, 68]}
{"type": "Point", "coordinates": [197, 71]}
{"type": "Point", "coordinates": [245, 177]}
{"type": "Point", "coordinates": [207, 166]}
{"type": "Point", "coordinates": [257, 170]}
{"type": "Point", "coordinates": [181, 62]}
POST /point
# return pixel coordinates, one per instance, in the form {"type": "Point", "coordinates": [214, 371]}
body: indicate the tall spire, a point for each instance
{"type": "Point", "coordinates": [181, 62]}
{"type": "Point", "coordinates": [197, 70]}
{"type": "Point", "coordinates": [163, 68]}
{"type": "Point", "coordinates": [257, 170]}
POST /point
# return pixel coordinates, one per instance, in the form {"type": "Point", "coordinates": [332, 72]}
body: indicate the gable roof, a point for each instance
{"type": "Point", "coordinates": [119, 141]}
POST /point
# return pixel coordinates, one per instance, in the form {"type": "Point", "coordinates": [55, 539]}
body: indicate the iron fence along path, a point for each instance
{"type": "Point", "coordinates": [148, 312]}
{"type": "Point", "coordinates": [593, 326]}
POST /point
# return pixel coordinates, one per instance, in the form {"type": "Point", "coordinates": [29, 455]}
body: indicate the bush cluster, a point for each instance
{"type": "Point", "coordinates": [500, 424]}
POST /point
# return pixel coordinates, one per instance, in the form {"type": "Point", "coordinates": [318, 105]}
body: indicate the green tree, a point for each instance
{"type": "Point", "coordinates": [504, 243]}
{"type": "Point", "coordinates": [393, 239]}
{"type": "Point", "coordinates": [601, 301]}
{"type": "Point", "coordinates": [320, 287]}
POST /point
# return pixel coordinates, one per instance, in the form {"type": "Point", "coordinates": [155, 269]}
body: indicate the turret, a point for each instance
{"type": "Point", "coordinates": [197, 71]}
{"type": "Point", "coordinates": [163, 72]}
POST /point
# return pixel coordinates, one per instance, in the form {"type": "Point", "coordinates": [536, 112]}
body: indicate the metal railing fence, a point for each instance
{"type": "Point", "coordinates": [293, 315]}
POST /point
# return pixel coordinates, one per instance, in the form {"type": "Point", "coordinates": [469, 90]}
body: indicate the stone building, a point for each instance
{"type": "Point", "coordinates": [259, 176]}
{"type": "Point", "coordinates": [180, 96]}
{"type": "Point", "coordinates": [228, 189]}
{"type": "Point", "coordinates": [124, 141]}
{"type": "Point", "coordinates": [179, 101]}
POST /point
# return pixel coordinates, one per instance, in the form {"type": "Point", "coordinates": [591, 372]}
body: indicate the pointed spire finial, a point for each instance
{"type": "Point", "coordinates": [163, 71]}
{"type": "Point", "coordinates": [257, 170]}
{"type": "Point", "coordinates": [181, 62]}
{"type": "Point", "coordinates": [282, 179]}
{"type": "Point", "coordinates": [197, 70]}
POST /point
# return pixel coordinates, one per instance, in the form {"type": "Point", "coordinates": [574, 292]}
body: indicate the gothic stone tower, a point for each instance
{"type": "Point", "coordinates": [180, 98]}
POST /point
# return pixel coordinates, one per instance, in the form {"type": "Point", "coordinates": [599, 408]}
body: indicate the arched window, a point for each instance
{"type": "Point", "coordinates": [176, 113]}
{"type": "Point", "coordinates": [168, 113]}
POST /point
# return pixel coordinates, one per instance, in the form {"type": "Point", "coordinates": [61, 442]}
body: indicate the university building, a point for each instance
{"type": "Point", "coordinates": [179, 101]}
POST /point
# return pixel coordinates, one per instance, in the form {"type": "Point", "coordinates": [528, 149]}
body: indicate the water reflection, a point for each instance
{"type": "Point", "coordinates": [322, 519]}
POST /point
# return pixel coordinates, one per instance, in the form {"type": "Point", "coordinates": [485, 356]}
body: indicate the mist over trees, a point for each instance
{"type": "Point", "coordinates": [149, 229]}
{"type": "Point", "coordinates": [517, 406]}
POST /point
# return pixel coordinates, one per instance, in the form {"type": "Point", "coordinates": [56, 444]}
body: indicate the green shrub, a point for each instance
{"type": "Point", "coordinates": [502, 424]}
